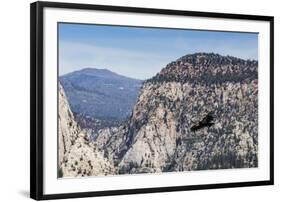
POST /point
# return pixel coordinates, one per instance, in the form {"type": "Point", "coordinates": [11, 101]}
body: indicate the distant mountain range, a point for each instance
{"type": "Point", "coordinates": [100, 93]}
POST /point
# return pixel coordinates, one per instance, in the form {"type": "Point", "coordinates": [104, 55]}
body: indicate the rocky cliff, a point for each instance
{"type": "Point", "coordinates": [68, 128]}
{"type": "Point", "coordinates": [77, 155]}
{"type": "Point", "coordinates": [158, 136]}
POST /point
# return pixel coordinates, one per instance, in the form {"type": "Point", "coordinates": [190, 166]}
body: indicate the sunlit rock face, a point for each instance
{"type": "Point", "coordinates": [159, 136]}
{"type": "Point", "coordinates": [77, 155]}
{"type": "Point", "coordinates": [68, 128]}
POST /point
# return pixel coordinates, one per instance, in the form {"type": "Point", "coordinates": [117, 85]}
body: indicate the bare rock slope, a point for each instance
{"type": "Point", "coordinates": [77, 155]}
{"type": "Point", "coordinates": [158, 135]}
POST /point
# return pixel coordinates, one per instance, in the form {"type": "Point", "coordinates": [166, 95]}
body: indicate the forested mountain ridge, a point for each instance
{"type": "Point", "coordinates": [100, 94]}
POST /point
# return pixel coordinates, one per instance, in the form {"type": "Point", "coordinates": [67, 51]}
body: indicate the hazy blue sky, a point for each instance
{"type": "Point", "coordinates": [142, 52]}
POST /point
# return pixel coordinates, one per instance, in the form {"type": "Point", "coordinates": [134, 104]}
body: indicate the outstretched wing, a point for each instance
{"type": "Point", "coordinates": [206, 121]}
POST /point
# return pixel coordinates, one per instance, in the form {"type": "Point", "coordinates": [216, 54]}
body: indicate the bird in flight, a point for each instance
{"type": "Point", "coordinates": [207, 121]}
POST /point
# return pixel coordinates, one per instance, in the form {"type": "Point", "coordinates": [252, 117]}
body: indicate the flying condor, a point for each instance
{"type": "Point", "coordinates": [207, 121]}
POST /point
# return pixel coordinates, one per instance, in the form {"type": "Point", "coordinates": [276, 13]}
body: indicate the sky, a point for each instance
{"type": "Point", "coordinates": [142, 52]}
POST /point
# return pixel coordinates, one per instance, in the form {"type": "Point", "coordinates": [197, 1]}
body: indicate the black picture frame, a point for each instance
{"type": "Point", "coordinates": [36, 98]}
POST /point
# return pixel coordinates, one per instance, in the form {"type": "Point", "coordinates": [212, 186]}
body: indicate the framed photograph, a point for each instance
{"type": "Point", "coordinates": [129, 100]}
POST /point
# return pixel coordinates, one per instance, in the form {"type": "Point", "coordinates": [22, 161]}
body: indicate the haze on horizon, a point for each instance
{"type": "Point", "coordinates": [142, 52]}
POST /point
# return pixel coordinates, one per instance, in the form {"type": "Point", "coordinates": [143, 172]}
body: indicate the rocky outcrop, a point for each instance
{"type": "Point", "coordinates": [158, 135]}
{"type": "Point", "coordinates": [85, 159]}
{"type": "Point", "coordinates": [68, 128]}
{"type": "Point", "coordinates": [77, 155]}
